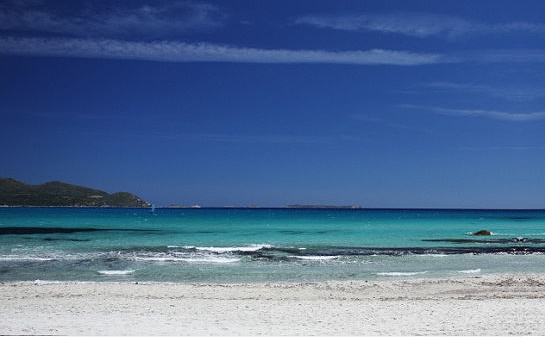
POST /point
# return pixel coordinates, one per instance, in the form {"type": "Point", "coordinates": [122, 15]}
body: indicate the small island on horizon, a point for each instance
{"type": "Point", "coordinates": [60, 194]}
{"type": "Point", "coordinates": [320, 206]}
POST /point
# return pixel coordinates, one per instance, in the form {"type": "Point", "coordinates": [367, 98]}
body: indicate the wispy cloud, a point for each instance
{"type": "Point", "coordinates": [502, 148]}
{"type": "Point", "coordinates": [511, 92]}
{"type": "Point", "coordinates": [503, 55]}
{"type": "Point", "coordinates": [278, 139]}
{"type": "Point", "coordinates": [110, 20]}
{"type": "Point", "coordinates": [265, 138]}
{"type": "Point", "coordinates": [83, 116]}
{"type": "Point", "coordinates": [388, 124]}
{"type": "Point", "coordinates": [416, 24]}
{"type": "Point", "coordinates": [173, 51]}
{"type": "Point", "coordinates": [493, 114]}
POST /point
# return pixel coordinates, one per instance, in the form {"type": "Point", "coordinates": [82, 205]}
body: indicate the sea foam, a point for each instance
{"type": "Point", "coordinates": [24, 258]}
{"type": "Point", "coordinates": [224, 249]}
{"type": "Point", "coordinates": [470, 271]}
{"type": "Point", "coordinates": [189, 259]}
{"type": "Point", "coordinates": [316, 258]}
{"type": "Point", "coordinates": [401, 274]}
{"type": "Point", "coordinates": [116, 272]}
{"type": "Point", "coordinates": [212, 259]}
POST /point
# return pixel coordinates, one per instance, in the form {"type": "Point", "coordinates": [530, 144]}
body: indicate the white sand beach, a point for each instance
{"type": "Point", "coordinates": [485, 305]}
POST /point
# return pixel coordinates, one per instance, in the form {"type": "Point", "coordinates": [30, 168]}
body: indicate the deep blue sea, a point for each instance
{"type": "Point", "coordinates": [265, 245]}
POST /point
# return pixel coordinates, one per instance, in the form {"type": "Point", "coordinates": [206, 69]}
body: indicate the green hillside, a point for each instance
{"type": "Point", "coordinates": [17, 193]}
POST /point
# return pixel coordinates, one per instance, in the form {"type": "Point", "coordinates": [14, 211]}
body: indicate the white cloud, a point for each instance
{"type": "Point", "coordinates": [416, 24]}
{"type": "Point", "coordinates": [172, 51]}
{"type": "Point", "coordinates": [493, 114]}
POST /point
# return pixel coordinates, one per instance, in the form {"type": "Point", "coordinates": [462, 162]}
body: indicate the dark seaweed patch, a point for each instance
{"type": "Point", "coordinates": [303, 232]}
{"type": "Point", "coordinates": [52, 239]}
{"type": "Point", "coordinates": [292, 254]}
{"type": "Point", "coordinates": [488, 241]}
{"type": "Point", "coordinates": [291, 232]}
{"type": "Point", "coordinates": [42, 231]}
{"type": "Point", "coordinates": [286, 253]}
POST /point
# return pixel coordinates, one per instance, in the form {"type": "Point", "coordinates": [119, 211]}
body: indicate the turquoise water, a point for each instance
{"type": "Point", "coordinates": [262, 245]}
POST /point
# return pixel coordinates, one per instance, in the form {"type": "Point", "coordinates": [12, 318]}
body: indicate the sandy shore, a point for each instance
{"type": "Point", "coordinates": [488, 305]}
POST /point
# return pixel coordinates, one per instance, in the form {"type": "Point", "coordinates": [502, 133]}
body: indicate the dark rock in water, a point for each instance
{"type": "Point", "coordinates": [482, 233]}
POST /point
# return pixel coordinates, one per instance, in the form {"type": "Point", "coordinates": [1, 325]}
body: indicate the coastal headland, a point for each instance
{"type": "Point", "coordinates": [482, 305]}
{"type": "Point", "coordinates": [60, 194]}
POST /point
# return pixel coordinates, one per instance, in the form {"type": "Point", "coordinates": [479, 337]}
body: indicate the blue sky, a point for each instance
{"type": "Point", "coordinates": [374, 103]}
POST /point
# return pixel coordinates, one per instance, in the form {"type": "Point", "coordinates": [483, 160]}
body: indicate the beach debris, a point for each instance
{"type": "Point", "coordinates": [482, 233]}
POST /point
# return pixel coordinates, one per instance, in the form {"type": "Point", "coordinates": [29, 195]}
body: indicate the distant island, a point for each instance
{"type": "Point", "coordinates": [313, 206]}
{"type": "Point", "coordinates": [59, 194]}
{"type": "Point", "coordinates": [291, 206]}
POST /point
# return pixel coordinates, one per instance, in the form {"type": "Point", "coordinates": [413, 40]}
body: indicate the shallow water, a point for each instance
{"type": "Point", "coordinates": [260, 245]}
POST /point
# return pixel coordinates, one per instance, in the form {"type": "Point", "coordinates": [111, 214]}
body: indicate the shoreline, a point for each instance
{"type": "Point", "coordinates": [506, 304]}
{"type": "Point", "coordinates": [347, 208]}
